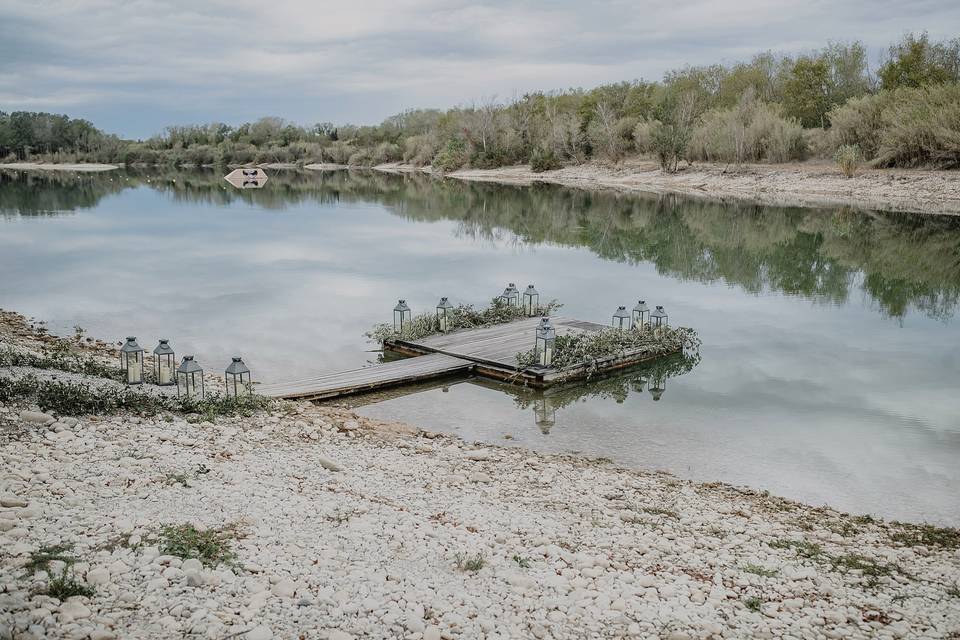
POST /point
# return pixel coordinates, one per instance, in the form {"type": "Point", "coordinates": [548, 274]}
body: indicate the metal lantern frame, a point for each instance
{"type": "Point", "coordinates": [236, 377]}
{"type": "Point", "coordinates": [531, 301]}
{"type": "Point", "coordinates": [511, 295]}
{"type": "Point", "coordinates": [401, 316]}
{"type": "Point", "coordinates": [546, 343]}
{"type": "Point", "coordinates": [189, 375]}
{"type": "Point", "coordinates": [641, 314]}
{"type": "Point", "coordinates": [444, 314]}
{"type": "Point", "coordinates": [659, 317]}
{"type": "Point", "coordinates": [621, 318]}
{"type": "Point", "coordinates": [164, 364]}
{"type": "Point", "coordinates": [131, 361]}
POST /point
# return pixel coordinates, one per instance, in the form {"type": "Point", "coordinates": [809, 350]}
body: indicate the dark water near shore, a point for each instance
{"type": "Point", "coordinates": [831, 358]}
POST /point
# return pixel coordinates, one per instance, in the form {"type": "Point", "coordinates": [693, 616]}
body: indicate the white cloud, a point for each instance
{"type": "Point", "coordinates": [229, 60]}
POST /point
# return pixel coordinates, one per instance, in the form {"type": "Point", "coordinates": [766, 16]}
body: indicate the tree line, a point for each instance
{"type": "Point", "coordinates": [772, 108]}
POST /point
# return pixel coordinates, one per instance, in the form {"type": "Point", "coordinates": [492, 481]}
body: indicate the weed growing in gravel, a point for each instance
{"type": "Point", "coordinates": [470, 563]}
{"type": "Point", "coordinates": [760, 571]}
{"type": "Point", "coordinates": [524, 563]}
{"type": "Point", "coordinates": [926, 535]}
{"type": "Point", "coordinates": [954, 590]}
{"type": "Point", "coordinates": [41, 558]}
{"type": "Point", "coordinates": [871, 569]}
{"type": "Point", "coordinates": [66, 586]}
{"type": "Point", "coordinates": [209, 546]}
{"type": "Point", "coordinates": [178, 478]}
{"type": "Point", "coordinates": [803, 548]}
{"type": "Point", "coordinates": [753, 603]}
{"type": "Point", "coordinates": [658, 511]}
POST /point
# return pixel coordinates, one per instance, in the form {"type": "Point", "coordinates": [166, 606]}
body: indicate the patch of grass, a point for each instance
{"type": "Point", "coordinates": [66, 586]}
{"type": "Point", "coordinates": [926, 535]}
{"type": "Point", "coordinates": [760, 571]}
{"type": "Point", "coordinates": [75, 398]}
{"type": "Point", "coordinates": [871, 569]}
{"type": "Point", "coordinates": [41, 558]}
{"type": "Point", "coordinates": [470, 563]}
{"type": "Point", "coordinates": [658, 511]}
{"type": "Point", "coordinates": [803, 548]}
{"type": "Point", "coordinates": [209, 546]}
{"type": "Point", "coordinates": [524, 563]}
{"type": "Point", "coordinates": [61, 356]}
{"type": "Point", "coordinates": [753, 603]}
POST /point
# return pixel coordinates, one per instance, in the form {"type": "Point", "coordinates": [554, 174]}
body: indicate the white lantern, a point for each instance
{"type": "Point", "coordinates": [621, 319]}
{"type": "Point", "coordinates": [659, 317]}
{"type": "Point", "coordinates": [190, 379]}
{"type": "Point", "coordinates": [545, 414]}
{"type": "Point", "coordinates": [164, 363]}
{"type": "Point", "coordinates": [444, 314]}
{"type": "Point", "coordinates": [237, 378]}
{"type": "Point", "coordinates": [546, 343]}
{"type": "Point", "coordinates": [131, 361]}
{"type": "Point", "coordinates": [641, 314]}
{"type": "Point", "coordinates": [401, 316]}
{"type": "Point", "coordinates": [511, 295]}
{"type": "Point", "coordinates": [531, 301]}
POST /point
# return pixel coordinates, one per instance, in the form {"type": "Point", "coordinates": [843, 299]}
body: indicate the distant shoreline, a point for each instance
{"type": "Point", "coordinates": [803, 184]}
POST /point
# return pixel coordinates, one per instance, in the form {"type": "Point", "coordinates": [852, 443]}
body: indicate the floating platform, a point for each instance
{"type": "Point", "coordinates": [484, 351]}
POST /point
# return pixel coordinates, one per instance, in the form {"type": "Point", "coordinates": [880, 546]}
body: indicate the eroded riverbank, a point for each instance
{"type": "Point", "coordinates": [336, 526]}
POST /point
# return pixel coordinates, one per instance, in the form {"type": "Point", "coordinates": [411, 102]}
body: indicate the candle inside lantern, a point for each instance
{"type": "Point", "coordinates": [166, 373]}
{"type": "Point", "coordinates": [133, 370]}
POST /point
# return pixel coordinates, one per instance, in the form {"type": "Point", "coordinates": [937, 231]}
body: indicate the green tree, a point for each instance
{"type": "Point", "coordinates": [806, 91]}
{"type": "Point", "coordinates": [915, 62]}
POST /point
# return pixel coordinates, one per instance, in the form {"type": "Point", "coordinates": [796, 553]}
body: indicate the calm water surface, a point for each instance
{"type": "Point", "coordinates": [830, 367]}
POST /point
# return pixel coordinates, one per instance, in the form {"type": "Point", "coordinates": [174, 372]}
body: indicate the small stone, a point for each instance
{"type": "Point", "coordinates": [477, 455]}
{"type": "Point", "coordinates": [12, 501]}
{"type": "Point", "coordinates": [285, 588]}
{"type": "Point", "coordinates": [99, 576]}
{"type": "Point", "coordinates": [259, 632]}
{"type": "Point", "coordinates": [432, 633]}
{"type": "Point", "coordinates": [73, 610]}
{"type": "Point", "coordinates": [329, 464]}
{"type": "Point", "coordinates": [336, 634]}
{"type": "Point", "coordinates": [36, 417]}
{"type": "Point", "coordinates": [192, 564]}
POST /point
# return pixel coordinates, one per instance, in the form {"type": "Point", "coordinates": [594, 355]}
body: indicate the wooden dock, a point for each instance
{"type": "Point", "coordinates": [485, 351]}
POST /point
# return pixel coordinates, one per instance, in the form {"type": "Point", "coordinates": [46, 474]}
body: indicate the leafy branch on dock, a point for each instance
{"type": "Point", "coordinates": [463, 316]}
{"type": "Point", "coordinates": [587, 348]}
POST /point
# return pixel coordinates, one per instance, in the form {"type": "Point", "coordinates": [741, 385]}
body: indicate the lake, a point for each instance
{"type": "Point", "coordinates": [830, 368]}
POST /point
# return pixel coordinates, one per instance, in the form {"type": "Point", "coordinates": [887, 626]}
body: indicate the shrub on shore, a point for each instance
{"type": "Point", "coordinates": [847, 158]}
{"type": "Point", "coordinates": [544, 160]}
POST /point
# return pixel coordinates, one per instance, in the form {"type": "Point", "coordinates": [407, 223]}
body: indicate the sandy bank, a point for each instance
{"type": "Point", "coordinates": [38, 166]}
{"type": "Point", "coordinates": [801, 184]}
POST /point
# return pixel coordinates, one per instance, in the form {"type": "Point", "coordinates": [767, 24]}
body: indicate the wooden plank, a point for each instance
{"type": "Point", "coordinates": [368, 378]}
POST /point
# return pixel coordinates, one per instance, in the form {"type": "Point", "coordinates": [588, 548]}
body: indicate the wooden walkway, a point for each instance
{"type": "Point", "coordinates": [368, 378]}
{"type": "Point", "coordinates": [486, 351]}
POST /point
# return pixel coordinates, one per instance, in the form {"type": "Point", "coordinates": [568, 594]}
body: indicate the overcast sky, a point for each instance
{"type": "Point", "coordinates": [135, 66]}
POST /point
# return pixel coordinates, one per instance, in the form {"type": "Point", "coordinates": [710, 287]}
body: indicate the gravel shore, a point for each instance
{"type": "Point", "coordinates": [814, 183]}
{"type": "Point", "coordinates": [329, 525]}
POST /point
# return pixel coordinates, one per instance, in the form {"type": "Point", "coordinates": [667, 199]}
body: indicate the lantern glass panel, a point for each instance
{"type": "Point", "coordinates": [545, 343]}
{"type": "Point", "coordinates": [401, 316]}
{"type": "Point", "coordinates": [444, 314]}
{"type": "Point", "coordinates": [131, 361]}
{"type": "Point", "coordinates": [641, 314]}
{"type": "Point", "coordinates": [164, 364]}
{"type": "Point", "coordinates": [621, 319]}
{"type": "Point", "coordinates": [237, 378]}
{"type": "Point", "coordinates": [190, 379]}
{"type": "Point", "coordinates": [531, 301]}
{"type": "Point", "coordinates": [659, 317]}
